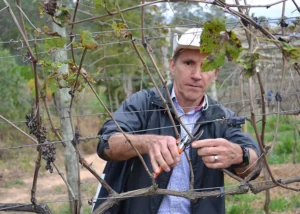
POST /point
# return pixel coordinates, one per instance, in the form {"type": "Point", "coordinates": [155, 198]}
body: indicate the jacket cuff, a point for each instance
{"type": "Point", "coordinates": [102, 145]}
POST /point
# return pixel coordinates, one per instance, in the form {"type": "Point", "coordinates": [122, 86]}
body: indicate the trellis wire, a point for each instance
{"type": "Point", "coordinates": [153, 110]}
{"type": "Point", "coordinates": [118, 197]}
{"type": "Point", "coordinates": [147, 28]}
{"type": "Point", "coordinates": [143, 130]}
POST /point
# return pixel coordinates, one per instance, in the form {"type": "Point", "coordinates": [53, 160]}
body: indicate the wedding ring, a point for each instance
{"type": "Point", "coordinates": [216, 158]}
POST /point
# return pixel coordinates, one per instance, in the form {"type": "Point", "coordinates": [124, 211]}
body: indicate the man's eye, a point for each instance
{"type": "Point", "coordinates": [188, 62]}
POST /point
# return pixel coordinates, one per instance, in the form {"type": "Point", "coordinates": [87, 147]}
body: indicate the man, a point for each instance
{"type": "Point", "coordinates": [147, 125]}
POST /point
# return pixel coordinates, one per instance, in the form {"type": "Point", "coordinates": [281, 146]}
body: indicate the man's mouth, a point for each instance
{"type": "Point", "coordinates": [194, 86]}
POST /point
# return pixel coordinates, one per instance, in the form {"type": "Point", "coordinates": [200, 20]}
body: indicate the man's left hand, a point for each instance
{"type": "Point", "coordinates": [218, 153]}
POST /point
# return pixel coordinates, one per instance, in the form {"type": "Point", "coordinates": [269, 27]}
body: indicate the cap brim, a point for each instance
{"type": "Point", "coordinates": [180, 47]}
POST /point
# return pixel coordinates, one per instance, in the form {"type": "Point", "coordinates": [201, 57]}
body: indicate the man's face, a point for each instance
{"type": "Point", "coordinates": [190, 83]}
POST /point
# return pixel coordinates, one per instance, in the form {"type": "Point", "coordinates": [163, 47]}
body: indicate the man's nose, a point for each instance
{"type": "Point", "coordinates": [196, 73]}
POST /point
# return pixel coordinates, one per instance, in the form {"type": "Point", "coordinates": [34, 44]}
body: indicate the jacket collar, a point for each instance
{"type": "Point", "coordinates": [211, 111]}
{"type": "Point", "coordinates": [156, 100]}
{"type": "Point", "coordinates": [214, 111]}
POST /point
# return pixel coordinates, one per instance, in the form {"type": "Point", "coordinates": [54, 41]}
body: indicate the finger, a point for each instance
{"type": "Point", "coordinates": [166, 157]}
{"type": "Point", "coordinates": [174, 152]}
{"type": "Point", "coordinates": [162, 163]}
{"type": "Point", "coordinates": [208, 143]}
{"type": "Point", "coordinates": [173, 165]}
{"type": "Point", "coordinates": [210, 159]}
{"type": "Point", "coordinates": [216, 165]}
{"type": "Point", "coordinates": [154, 163]}
{"type": "Point", "coordinates": [213, 163]}
{"type": "Point", "coordinates": [206, 151]}
{"type": "Point", "coordinates": [159, 159]}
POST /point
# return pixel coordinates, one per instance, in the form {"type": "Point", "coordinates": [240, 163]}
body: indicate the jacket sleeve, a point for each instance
{"type": "Point", "coordinates": [130, 117]}
{"type": "Point", "coordinates": [235, 135]}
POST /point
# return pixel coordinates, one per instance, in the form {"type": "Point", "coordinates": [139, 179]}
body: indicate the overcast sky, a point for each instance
{"type": "Point", "coordinates": [274, 11]}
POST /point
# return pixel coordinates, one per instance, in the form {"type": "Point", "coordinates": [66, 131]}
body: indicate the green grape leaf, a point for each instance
{"type": "Point", "coordinates": [44, 63]}
{"type": "Point", "coordinates": [63, 84]}
{"type": "Point", "coordinates": [62, 16]}
{"type": "Point", "coordinates": [72, 79]}
{"type": "Point", "coordinates": [51, 33]}
{"type": "Point", "coordinates": [121, 30]}
{"type": "Point", "coordinates": [55, 43]}
{"type": "Point", "coordinates": [154, 8]}
{"type": "Point", "coordinates": [210, 37]}
{"type": "Point", "coordinates": [24, 71]}
{"type": "Point", "coordinates": [31, 85]}
{"type": "Point", "coordinates": [41, 9]}
{"type": "Point", "coordinates": [233, 46]}
{"type": "Point", "coordinates": [181, 22]}
{"type": "Point", "coordinates": [37, 33]}
{"type": "Point", "coordinates": [291, 52]}
{"type": "Point", "coordinates": [99, 3]}
{"type": "Point", "coordinates": [91, 79]}
{"type": "Point", "coordinates": [81, 87]}
{"type": "Point", "coordinates": [218, 43]}
{"type": "Point", "coordinates": [113, 2]}
{"type": "Point", "coordinates": [213, 61]}
{"type": "Point", "coordinates": [164, 31]}
{"type": "Point", "coordinates": [87, 40]}
{"type": "Point", "coordinates": [248, 61]}
{"type": "Point", "coordinates": [76, 45]}
{"type": "Point", "coordinates": [50, 88]}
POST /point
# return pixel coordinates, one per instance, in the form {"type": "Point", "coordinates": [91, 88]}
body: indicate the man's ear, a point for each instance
{"type": "Point", "coordinates": [217, 71]}
{"type": "Point", "coordinates": [172, 66]}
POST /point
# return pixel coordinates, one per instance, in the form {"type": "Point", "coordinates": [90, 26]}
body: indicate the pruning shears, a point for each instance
{"type": "Point", "coordinates": [183, 143]}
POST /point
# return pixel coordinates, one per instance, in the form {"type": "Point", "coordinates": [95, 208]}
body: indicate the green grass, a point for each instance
{"type": "Point", "coordinates": [247, 203]}
{"type": "Point", "coordinates": [88, 188]}
{"type": "Point", "coordinates": [65, 208]}
{"type": "Point", "coordinates": [20, 160]}
{"type": "Point", "coordinates": [242, 207]}
{"type": "Point", "coordinates": [86, 208]}
{"type": "Point", "coordinates": [60, 189]}
{"type": "Point", "coordinates": [242, 197]}
{"type": "Point", "coordinates": [269, 137]}
{"type": "Point", "coordinates": [16, 182]}
{"type": "Point", "coordinates": [279, 159]}
{"type": "Point", "coordinates": [60, 208]}
{"type": "Point", "coordinates": [283, 149]}
{"type": "Point", "coordinates": [283, 125]}
{"type": "Point", "coordinates": [295, 201]}
{"type": "Point", "coordinates": [285, 146]}
{"type": "Point", "coordinates": [26, 161]}
{"type": "Point", "coordinates": [241, 204]}
{"type": "Point", "coordinates": [279, 204]}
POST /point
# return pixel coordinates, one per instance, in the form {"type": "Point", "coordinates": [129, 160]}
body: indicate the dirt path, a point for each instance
{"type": "Point", "coordinates": [47, 184]}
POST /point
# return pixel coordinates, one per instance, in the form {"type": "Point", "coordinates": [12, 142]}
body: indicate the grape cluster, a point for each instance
{"type": "Point", "coordinates": [50, 7]}
{"type": "Point", "coordinates": [47, 148]}
{"type": "Point", "coordinates": [49, 154]}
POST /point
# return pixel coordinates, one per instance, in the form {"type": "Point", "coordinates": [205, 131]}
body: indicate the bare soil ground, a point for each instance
{"type": "Point", "coordinates": [51, 187]}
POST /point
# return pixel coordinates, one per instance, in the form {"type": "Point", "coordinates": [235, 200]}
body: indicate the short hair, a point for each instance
{"type": "Point", "coordinates": [176, 55]}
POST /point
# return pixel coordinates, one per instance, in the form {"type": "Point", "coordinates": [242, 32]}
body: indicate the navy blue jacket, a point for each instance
{"type": "Point", "coordinates": [143, 113]}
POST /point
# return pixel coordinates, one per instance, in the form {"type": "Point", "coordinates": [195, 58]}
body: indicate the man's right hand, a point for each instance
{"type": "Point", "coordinates": [163, 152]}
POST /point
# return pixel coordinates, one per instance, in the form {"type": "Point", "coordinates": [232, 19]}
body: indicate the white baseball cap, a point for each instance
{"type": "Point", "coordinates": [189, 40]}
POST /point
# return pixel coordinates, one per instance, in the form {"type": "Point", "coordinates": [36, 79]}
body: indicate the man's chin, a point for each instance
{"type": "Point", "coordinates": [193, 97]}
